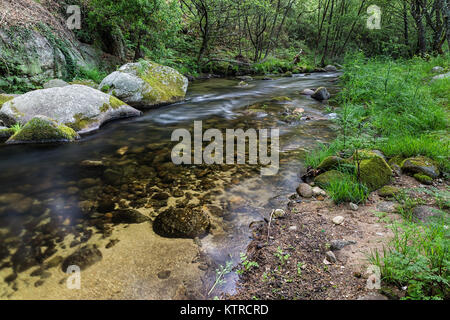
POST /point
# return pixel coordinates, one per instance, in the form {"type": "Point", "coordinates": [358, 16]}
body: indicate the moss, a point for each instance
{"type": "Point", "coordinates": [80, 123]}
{"type": "Point", "coordinates": [326, 178]}
{"type": "Point", "coordinates": [115, 103]}
{"type": "Point", "coordinates": [367, 154]}
{"type": "Point", "coordinates": [288, 74]}
{"type": "Point", "coordinates": [388, 191]}
{"type": "Point", "coordinates": [41, 129]}
{"type": "Point", "coordinates": [423, 178]}
{"type": "Point", "coordinates": [421, 165]}
{"type": "Point", "coordinates": [375, 173]}
{"type": "Point", "coordinates": [5, 134]}
{"type": "Point", "coordinates": [166, 85]}
{"type": "Point", "coordinates": [105, 88]}
{"type": "Point", "coordinates": [105, 107]}
{"type": "Point", "coordinates": [281, 99]}
{"type": "Point", "coordinates": [4, 98]}
{"type": "Point", "coordinates": [331, 162]}
{"type": "Point", "coordinates": [398, 160]}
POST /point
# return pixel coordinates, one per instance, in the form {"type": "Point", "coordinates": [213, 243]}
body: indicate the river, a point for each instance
{"type": "Point", "coordinates": [51, 204]}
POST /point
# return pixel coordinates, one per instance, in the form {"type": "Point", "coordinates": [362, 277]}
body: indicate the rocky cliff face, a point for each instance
{"type": "Point", "coordinates": [35, 45]}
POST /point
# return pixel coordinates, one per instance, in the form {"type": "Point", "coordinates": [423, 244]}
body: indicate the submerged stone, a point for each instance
{"type": "Point", "coordinates": [321, 94]}
{"type": "Point", "coordinates": [83, 258]}
{"type": "Point", "coordinates": [182, 223]}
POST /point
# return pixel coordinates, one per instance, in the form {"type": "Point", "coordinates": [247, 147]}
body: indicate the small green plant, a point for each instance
{"type": "Point", "coordinates": [221, 272]}
{"type": "Point", "coordinates": [247, 264]}
{"type": "Point", "coordinates": [17, 127]}
{"type": "Point", "coordinates": [300, 266]}
{"type": "Point", "coordinates": [418, 258]}
{"type": "Point", "coordinates": [282, 256]}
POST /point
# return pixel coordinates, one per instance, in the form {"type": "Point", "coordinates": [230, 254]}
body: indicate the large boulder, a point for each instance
{"type": "Point", "coordinates": [182, 223]}
{"type": "Point", "coordinates": [321, 94]}
{"type": "Point", "coordinates": [79, 107]}
{"type": "Point", "coordinates": [146, 84]}
{"type": "Point", "coordinates": [421, 165]}
{"type": "Point", "coordinates": [375, 173]}
{"type": "Point", "coordinates": [330, 68]}
{"type": "Point", "coordinates": [42, 129]}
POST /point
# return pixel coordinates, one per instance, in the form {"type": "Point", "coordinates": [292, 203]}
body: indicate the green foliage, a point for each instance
{"type": "Point", "coordinates": [282, 257]}
{"type": "Point", "coordinates": [90, 73]}
{"type": "Point", "coordinates": [347, 189]}
{"type": "Point", "coordinates": [221, 272]}
{"type": "Point", "coordinates": [418, 258]}
{"type": "Point", "coordinates": [247, 264]}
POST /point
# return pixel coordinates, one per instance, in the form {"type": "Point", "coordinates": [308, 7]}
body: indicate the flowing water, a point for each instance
{"type": "Point", "coordinates": [52, 203]}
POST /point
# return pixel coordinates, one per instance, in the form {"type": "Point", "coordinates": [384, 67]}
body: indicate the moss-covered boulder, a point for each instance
{"type": "Point", "coordinates": [321, 94]}
{"type": "Point", "coordinates": [375, 173]}
{"type": "Point", "coordinates": [331, 162]}
{"type": "Point", "coordinates": [41, 129]}
{"type": "Point", "coordinates": [424, 179]}
{"type": "Point", "coordinates": [422, 165]}
{"type": "Point", "coordinates": [182, 223]}
{"type": "Point", "coordinates": [326, 178]}
{"type": "Point", "coordinates": [5, 133]}
{"type": "Point", "coordinates": [146, 84]}
{"type": "Point", "coordinates": [368, 154]}
{"type": "Point", "coordinates": [389, 191]}
{"type": "Point", "coordinates": [82, 108]}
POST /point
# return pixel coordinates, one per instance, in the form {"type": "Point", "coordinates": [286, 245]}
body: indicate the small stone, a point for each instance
{"type": "Point", "coordinates": [338, 220]}
{"type": "Point", "coordinates": [353, 207]}
{"type": "Point", "coordinates": [122, 151]}
{"type": "Point", "coordinates": [340, 244]}
{"type": "Point", "coordinates": [331, 257]}
{"type": "Point", "coordinates": [92, 163]}
{"type": "Point", "coordinates": [293, 228]}
{"type": "Point", "coordinates": [318, 192]}
{"type": "Point", "coordinates": [279, 213]}
{"type": "Point", "coordinates": [305, 190]}
{"type": "Point", "coordinates": [164, 274]}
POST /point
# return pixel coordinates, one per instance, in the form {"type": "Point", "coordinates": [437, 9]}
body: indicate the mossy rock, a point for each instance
{"type": "Point", "coordinates": [42, 129]}
{"type": "Point", "coordinates": [281, 99]}
{"type": "Point", "coordinates": [331, 162]}
{"type": "Point", "coordinates": [288, 74]}
{"type": "Point", "coordinates": [422, 165]}
{"type": "Point", "coordinates": [389, 191]}
{"type": "Point", "coordinates": [375, 173]}
{"type": "Point", "coordinates": [326, 178]}
{"type": "Point", "coordinates": [368, 154]}
{"type": "Point", "coordinates": [146, 84]}
{"type": "Point", "coordinates": [398, 160]}
{"type": "Point", "coordinates": [5, 133]}
{"type": "Point", "coordinates": [5, 98]}
{"type": "Point", "coordinates": [424, 179]}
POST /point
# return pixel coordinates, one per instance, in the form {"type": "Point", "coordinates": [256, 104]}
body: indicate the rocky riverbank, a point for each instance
{"type": "Point", "coordinates": [319, 250]}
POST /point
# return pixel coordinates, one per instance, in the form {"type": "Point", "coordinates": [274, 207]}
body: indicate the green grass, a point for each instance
{"type": "Point", "coordinates": [90, 73]}
{"type": "Point", "coordinates": [347, 190]}
{"type": "Point", "coordinates": [417, 258]}
{"type": "Point", "coordinates": [393, 106]}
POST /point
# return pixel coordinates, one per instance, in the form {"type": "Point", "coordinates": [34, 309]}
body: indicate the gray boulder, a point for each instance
{"type": "Point", "coordinates": [81, 108]}
{"type": "Point", "coordinates": [182, 223]}
{"type": "Point", "coordinates": [437, 69]}
{"type": "Point", "coordinates": [330, 68]}
{"type": "Point", "coordinates": [55, 83]}
{"type": "Point", "coordinates": [146, 84]}
{"type": "Point", "coordinates": [421, 165]}
{"type": "Point", "coordinates": [321, 94]}
{"type": "Point", "coordinates": [441, 76]}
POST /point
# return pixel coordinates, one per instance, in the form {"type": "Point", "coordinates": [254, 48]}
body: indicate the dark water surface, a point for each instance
{"type": "Point", "coordinates": [46, 194]}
